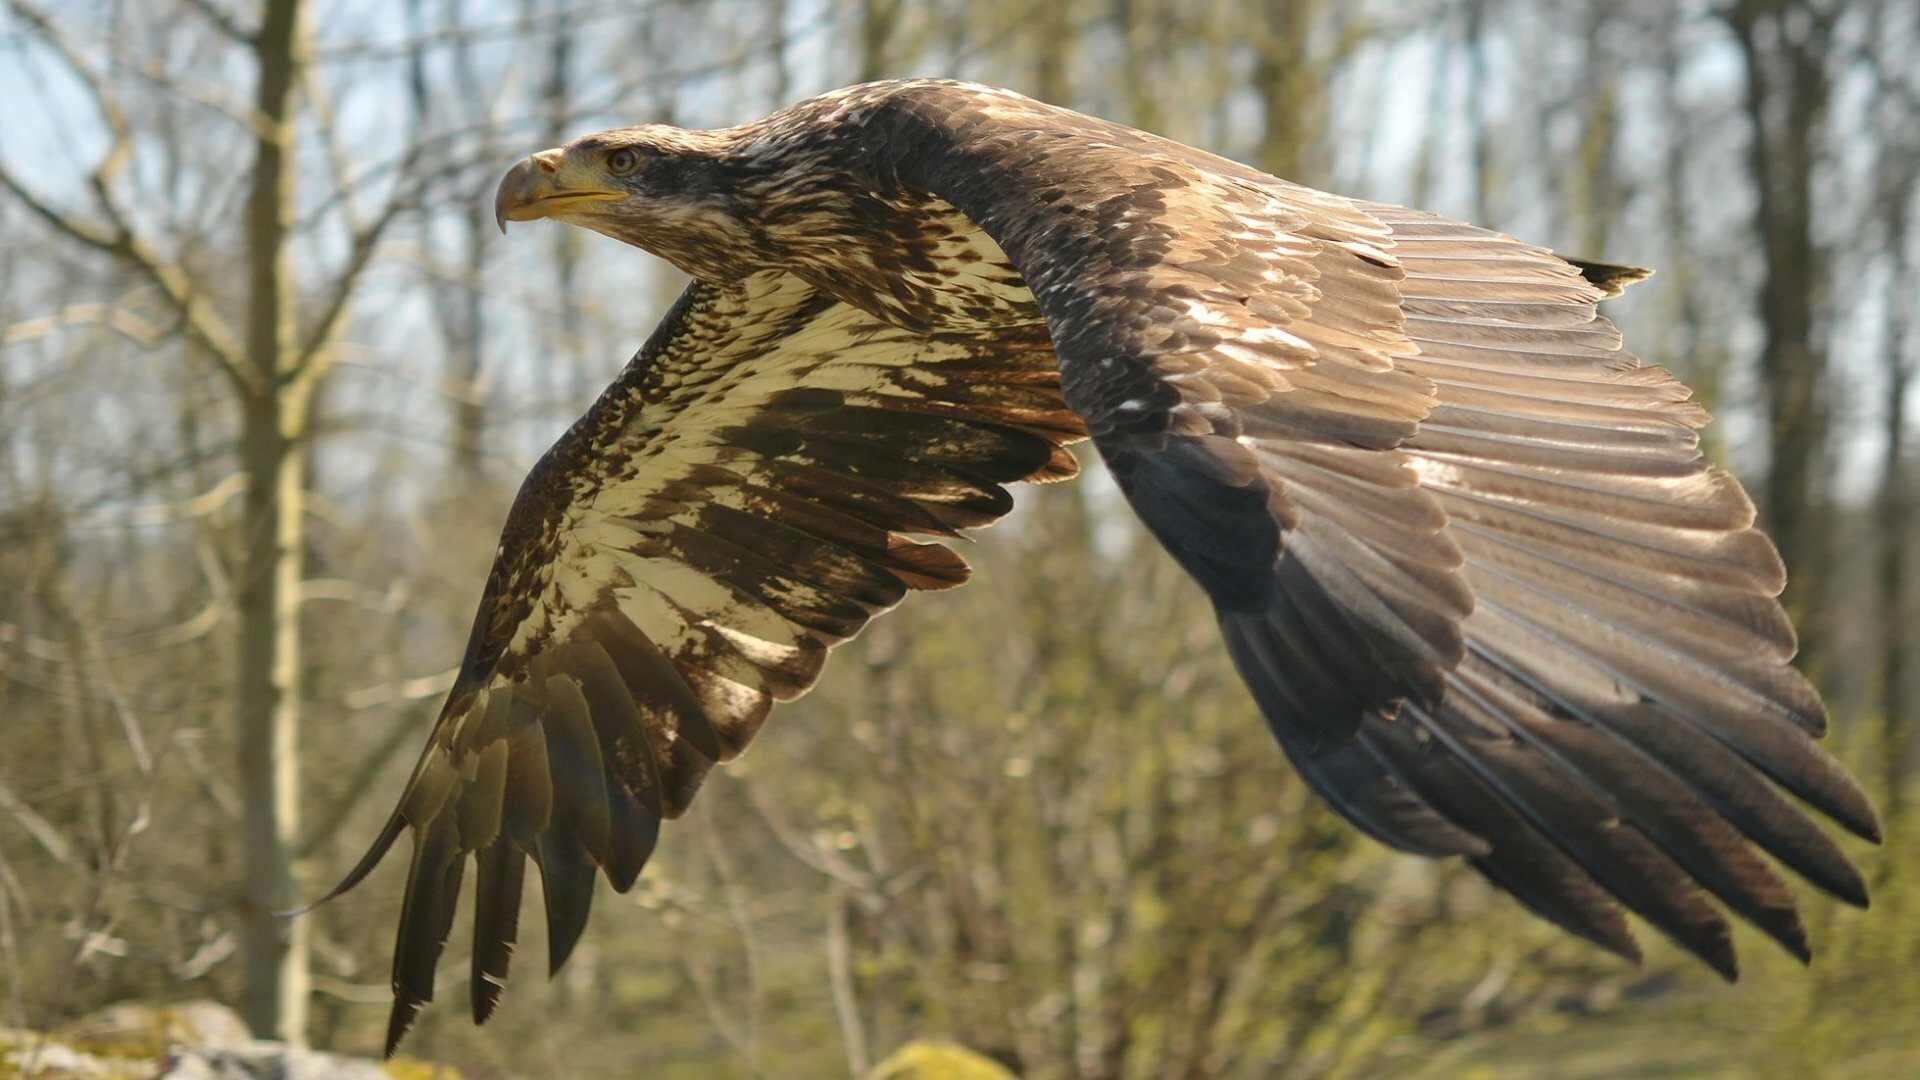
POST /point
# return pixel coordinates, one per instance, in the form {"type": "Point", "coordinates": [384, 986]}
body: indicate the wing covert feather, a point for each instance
{"type": "Point", "coordinates": [737, 503]}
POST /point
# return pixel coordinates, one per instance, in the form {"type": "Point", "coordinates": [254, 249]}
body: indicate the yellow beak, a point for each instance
{"type": "Point", "coordinates": [547, 184]}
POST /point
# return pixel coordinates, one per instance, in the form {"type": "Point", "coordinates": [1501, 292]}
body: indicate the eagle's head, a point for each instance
{"type": "Point", "coordinates": [795, 191]}
{"type": "Point", "coordinates": [661, 188]}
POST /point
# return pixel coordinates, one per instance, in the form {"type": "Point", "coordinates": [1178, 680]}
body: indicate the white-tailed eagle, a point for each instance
{"type": "Point", "coordinates": [1462, 546]}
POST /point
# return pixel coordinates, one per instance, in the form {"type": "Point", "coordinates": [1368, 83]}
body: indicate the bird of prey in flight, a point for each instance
{"type": "Point", "coordinates": [1462, 546]}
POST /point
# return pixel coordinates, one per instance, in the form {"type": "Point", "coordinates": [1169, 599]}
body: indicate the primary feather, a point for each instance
{"type": "Point", "coordinates": [1463, 547]}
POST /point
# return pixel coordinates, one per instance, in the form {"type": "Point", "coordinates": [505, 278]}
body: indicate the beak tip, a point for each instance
{"type": "Point", "coordinates": [511, 194]}
{"type": "Point", "coordinates": [535, 188]}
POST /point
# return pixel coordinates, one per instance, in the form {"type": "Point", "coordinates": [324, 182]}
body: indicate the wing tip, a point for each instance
{"type": "Point", "coordinates": [1800, 948]}
{"type": "Point", "coordinates": [567, 882]}
{"type": "Point", "coordinates": [487, 989]}
{"type": "Point", "coordinates": [1865, 822]}
{"type": "Point", "coordinates": [1859, 899]}
{"type": "Point", "coordinates": [1611, 279]}
{"type": "Point", "coordinates": [1715, 947]}
{"type": "Point", "coordinates": [1612, 935]}
{"type": "Point", "coordinates": [406, 1009]}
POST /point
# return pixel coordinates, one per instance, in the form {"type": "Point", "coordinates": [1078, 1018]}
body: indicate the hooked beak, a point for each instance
{"type": "Point", "coordinates": [546, 184]}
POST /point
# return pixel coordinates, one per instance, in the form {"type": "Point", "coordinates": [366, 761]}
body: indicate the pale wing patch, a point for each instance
{"type": "Point", "coordinates": [737, 503]}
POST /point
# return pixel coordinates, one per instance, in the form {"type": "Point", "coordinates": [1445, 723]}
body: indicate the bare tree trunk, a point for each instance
{"type": "Point", "coordinates": [1288, 77]}
{"type": "Point", "coordinates": [1895, 513]}
{"type": "Point", "coordinates": [274, 950]}
{"type": "Point", "coordinates": [563, 329]}
{"type": "Point", "coordinates": [463, 308]}
{"type": "Point", "coordinates": [1599, 198]}
{"type": "Point", "coordinates": [1474, 34]}
{"type": "Point", "coordinates": [879, 22]}
{"type": "Point", "coordinates": [1691, 351]}
{"type": "Point", "coordinates": [1785, 43]}
{"type": "Point", "coordinates": [1141, 25]}
{"type": "Point", "coordinates": [1054, 47]}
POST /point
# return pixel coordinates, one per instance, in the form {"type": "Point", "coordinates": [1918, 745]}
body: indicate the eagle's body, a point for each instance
{"type": "Point", "coordinates": [1462, 546]}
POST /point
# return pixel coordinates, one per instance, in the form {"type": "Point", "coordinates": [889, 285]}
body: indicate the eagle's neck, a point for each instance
{"type": "Point", "coordinates": [903, 255]}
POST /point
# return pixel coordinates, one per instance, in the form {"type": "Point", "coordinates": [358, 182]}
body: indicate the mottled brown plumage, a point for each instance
{"type": "Point", "coordinates": [1462, 546]}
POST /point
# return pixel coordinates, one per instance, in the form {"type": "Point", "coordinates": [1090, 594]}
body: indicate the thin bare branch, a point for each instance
{"type": "Point", "coordinates": [87, 233]}
{"type": "Point", "coordinates": [97, 88]}
{"type": "Point", "coordinates": [178, 84]}
{"type": "Point", "coordinates": [202, 322]}
{"type": "Point", "coordinates": [130, 727]}
{"type": "Point", "coordinates": [212, 783]}
{"type": "Point", "coordinates": [10, 952]}
{"type": "Point", "coordinates": [401, 690]}
{"type": "Point", "coordinates": [846, 1006]}
{"type": "Point", "coordinates": [117, 237]}
{"type": "Point", "coordinates": [740, 913]}
{"type": "Point", "coordinates": [814, 856]}
{"type": "Point", "coordinates": [111, 316]}
{"type": "Point", "coordinates": [43, 831]}
{"type": "Point", "coordinates": [51, 651]}
{"type": "Point", "coordinates": [399, 734]}
{"type": "Point", "coordinates": [320, 106]}
{"type": "Point", "coordinates": [333, 312]}
{"type": "Point", "coordinates": [460, 35]}
{"type": "Point", "coordinates": [228, 23]}
{"type": "Point", "coordinates": [192, 508]}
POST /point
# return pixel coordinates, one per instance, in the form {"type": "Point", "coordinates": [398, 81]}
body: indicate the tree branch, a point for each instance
{"type": "Point", "coordinates": [228, 23]}
{"type": "Point", "coordinates": [113, 317]}
{"type": "Point", "coordinates": [117, 238]}
{"type": "Point", "coordinates": [333, 311]}
{"type": "Point", "coordinates": [399, 735]}
{"type": "Point", "coordinates": [43, 831]}
{"type": "Point", "coordinates": [366, 237]}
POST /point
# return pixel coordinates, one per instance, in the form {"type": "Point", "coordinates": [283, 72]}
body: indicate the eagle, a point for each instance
{"type": "Point", "coordinates": [1463, 548]}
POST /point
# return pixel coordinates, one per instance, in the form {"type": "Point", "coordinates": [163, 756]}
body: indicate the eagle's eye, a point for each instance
{"type": "Point", "coordinates": [623, 161]}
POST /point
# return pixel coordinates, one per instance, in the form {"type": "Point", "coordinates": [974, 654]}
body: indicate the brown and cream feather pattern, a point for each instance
{"type": "Point", "coordinates": [1462, 546]}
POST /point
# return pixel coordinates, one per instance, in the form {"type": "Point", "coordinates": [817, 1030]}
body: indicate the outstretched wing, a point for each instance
{"type": "Point", "coordinates": [731, 508]}
{"type": "Point", "coordinates": [1464, 549]}
{"type": "Point", "coordinates": [1627, 691]}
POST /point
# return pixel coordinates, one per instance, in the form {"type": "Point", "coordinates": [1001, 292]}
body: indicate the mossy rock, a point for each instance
{"type": "Point", "coordinates": [931, 1060]}
{"type": "Point", "coordinates": [410, 1068]}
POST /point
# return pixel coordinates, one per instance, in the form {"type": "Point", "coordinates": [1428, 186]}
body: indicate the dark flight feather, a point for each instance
{"type": "Point", "coordinates": [1462, 546]}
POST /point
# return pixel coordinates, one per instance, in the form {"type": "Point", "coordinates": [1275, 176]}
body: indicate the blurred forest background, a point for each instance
{"type": "Point", "coordinates": [269, 377]}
